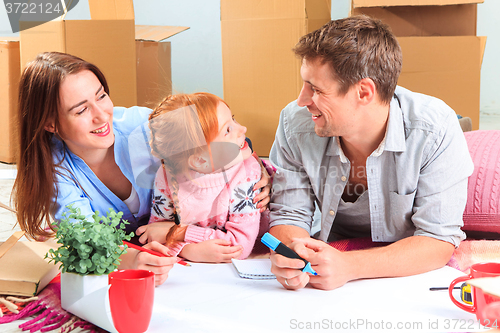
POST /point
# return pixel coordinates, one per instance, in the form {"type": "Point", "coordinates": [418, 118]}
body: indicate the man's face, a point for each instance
{"type": "Point", "coordinates": [333, 114]}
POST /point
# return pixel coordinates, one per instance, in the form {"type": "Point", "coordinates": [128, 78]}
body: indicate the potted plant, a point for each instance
{"type": "Point", "coordinates": [88, 252]}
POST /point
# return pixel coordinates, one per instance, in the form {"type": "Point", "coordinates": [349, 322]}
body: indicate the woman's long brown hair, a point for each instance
{"type": "Point", "coordinates": [35, 186]}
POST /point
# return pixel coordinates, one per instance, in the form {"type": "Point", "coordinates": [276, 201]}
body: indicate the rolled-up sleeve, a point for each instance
{"type": "Point", "coordinates": [292, 199]}
{"type": "Point", "coordinates": [442, 185]}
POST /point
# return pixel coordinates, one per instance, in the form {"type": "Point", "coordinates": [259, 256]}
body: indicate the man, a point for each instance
{"type": "Point", "coordinates": [378, 160]}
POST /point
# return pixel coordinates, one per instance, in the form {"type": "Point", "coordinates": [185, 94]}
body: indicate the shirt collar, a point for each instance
{"type": "Point", "coordinates": [395, 135]}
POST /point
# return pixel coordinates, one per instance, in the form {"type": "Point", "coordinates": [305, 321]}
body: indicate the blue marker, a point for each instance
{"type": "Point", "coordinates": [274, 244]}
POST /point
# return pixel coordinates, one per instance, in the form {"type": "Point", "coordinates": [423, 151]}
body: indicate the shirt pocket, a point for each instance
{"type": "Point", "coordinates": [401, 208]}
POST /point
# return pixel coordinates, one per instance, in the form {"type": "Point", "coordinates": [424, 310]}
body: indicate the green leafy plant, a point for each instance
{"type": "Point", "coordinates": [89, 247]}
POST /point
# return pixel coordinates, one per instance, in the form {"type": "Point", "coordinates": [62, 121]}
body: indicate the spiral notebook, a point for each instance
{"type": "Point", "coordinates": [256, 269]}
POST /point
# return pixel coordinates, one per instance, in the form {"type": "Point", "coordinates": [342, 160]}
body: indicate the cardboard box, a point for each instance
{"type": "Point", "coordinates": [261, 74]}
{"type": "Point", "coordinates": [452, 20]}
{"type": "Point", "coordinates": [10, 72]}
{"type": "Point", "coordinates": [442, 55]}
{"type": "Point", "coordinates": [154, 73]}
{"type": "Point", "coordinates": [107, 40]}
{"type": "Point", "coordinates": [449, 69]}
{"type": "Point", "coordinates": [23, 269]}
{"type": "Point", "coordinates": [384, 3]}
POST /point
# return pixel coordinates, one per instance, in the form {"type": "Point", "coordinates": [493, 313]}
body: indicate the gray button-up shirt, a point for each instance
{"type": "Point", "coordinates": [417, 184]}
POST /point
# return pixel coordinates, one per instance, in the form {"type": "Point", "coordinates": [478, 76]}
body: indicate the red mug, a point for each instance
{"type": "Point", "coordinates": [131, 298]}
{"type": "Point", "coordinates": [480, 300]}
{"type": "Point", "coordinates": [492, 311]}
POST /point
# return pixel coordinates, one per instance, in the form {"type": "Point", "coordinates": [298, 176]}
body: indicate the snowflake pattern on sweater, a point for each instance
{"type": "Point", "coordinates": [214, 206]}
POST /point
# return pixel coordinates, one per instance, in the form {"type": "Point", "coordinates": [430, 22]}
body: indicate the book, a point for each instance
{"type": "Point", "coordinates": [23, 269]}
{"type": "Point", "coordinates": [256, 269]}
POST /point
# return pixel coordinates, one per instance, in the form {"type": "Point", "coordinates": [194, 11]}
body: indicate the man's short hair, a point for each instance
{"type": "Point", "coordinates": [356, 47]}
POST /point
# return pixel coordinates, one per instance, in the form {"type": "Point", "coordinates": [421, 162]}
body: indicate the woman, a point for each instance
{"type": "Point", "coordinates": [74, 148]}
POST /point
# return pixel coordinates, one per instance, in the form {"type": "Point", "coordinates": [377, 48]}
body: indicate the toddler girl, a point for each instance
{"type": "Point", "coordinates": [207, 176]}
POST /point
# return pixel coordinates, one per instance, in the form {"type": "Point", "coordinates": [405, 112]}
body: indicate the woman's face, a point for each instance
{"type": "Point", "coordinates": [85, 114]}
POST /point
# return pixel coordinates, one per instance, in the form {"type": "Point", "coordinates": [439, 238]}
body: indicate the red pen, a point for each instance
{"type": "Point", "coordinates": [143, 249]}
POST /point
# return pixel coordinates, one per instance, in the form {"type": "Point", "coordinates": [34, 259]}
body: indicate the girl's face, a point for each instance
{"type": "Point", "coordinates": [85, 114]}
{"type": "Point", "coordinates": [230, 130]}
{"type": "Point", "coordinates": [234, 147]}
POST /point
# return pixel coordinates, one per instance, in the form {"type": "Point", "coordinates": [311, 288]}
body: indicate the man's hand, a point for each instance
{"type": "Point", "coordinates": [289, 271]}
{"type": "Point", "coordinates": [324, 259]}
{"type": "Point", "coordinates": [332, 266]}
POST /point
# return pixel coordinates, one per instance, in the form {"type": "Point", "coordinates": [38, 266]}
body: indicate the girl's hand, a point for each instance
{"type": "Point", "coordinates": [156, 232]}
{"type": "Point", "coordinates": [262, 199]}
{"type": "Point", "coordinates": [212, 250]}
{"type": "Point", "coordinates": [135, 259]}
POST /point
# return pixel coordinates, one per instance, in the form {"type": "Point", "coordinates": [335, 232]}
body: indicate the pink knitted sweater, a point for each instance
{"type": "Point", "coordinates": [215, 206]}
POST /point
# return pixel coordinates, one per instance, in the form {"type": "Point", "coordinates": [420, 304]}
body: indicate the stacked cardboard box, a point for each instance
{"type": "Point", "coordinates": [154, 74]}
{"type": "Point", "coordinates": [261, 74]}
{"type": "Point", "coordinates": [109, 40]}
{"type": "Point", "coordinates": [10, 71]}
{"type": "Point", "coordinates": [106, 40]}
{"type": "Point", "coordinates": [441, 53]}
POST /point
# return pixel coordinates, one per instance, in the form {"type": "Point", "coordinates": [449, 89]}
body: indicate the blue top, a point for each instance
{"type": "Point", "coordinates": [78, 184]}
{"type": "Point", "coordinates": [417, 178]}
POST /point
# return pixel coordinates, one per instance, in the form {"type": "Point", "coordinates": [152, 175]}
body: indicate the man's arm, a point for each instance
{"type": "Point", "coordinates": [409, 256]}
{"type": "Point", "coordinates": [285, 233]}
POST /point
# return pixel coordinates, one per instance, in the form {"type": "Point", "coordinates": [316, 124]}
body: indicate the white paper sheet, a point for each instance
{"type": "Point", "coordinates": [259, 269]}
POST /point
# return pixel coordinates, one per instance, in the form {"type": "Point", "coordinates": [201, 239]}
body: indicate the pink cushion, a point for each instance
{"type": "Point", "coordinates": [482, 212]}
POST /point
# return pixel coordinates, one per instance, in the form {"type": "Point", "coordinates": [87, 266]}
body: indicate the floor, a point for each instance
{"type": "Point", "coordinates": [7, 219]}
{"type": "Point", "coordinates": [7, 174]}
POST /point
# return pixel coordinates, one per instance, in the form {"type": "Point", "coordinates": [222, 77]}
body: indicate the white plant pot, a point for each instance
{"type": "Point", "coordinates": [87, 297]}
{"type": "Point", "coordinates": [75, 286]}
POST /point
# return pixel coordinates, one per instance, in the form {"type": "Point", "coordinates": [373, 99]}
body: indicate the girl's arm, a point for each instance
{"type": "Point", "coordinates": [212, 250]}
{"type": "Point", "coordinates": [162, 216]}
{"type": "Point", "coordinates": [242, 226]}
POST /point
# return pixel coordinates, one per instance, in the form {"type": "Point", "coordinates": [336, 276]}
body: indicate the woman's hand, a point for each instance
{"type": "Point", "coordinates": [156, 232]}
{"type": "Point", "coordinates": [212, 250]}
{"type": "Point", "coordinates": [262, 199]}
{"type": "Point", "coordinates": [135, 259]}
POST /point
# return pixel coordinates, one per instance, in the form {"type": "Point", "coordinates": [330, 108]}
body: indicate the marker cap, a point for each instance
{"type": "Point", "coordinates": [270, 241]}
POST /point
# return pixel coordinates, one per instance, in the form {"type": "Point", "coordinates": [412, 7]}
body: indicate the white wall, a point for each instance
{"type": "Point", "coordinates": [487, 25]}
{"type": "Point", "coordinates": [196, 53]}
